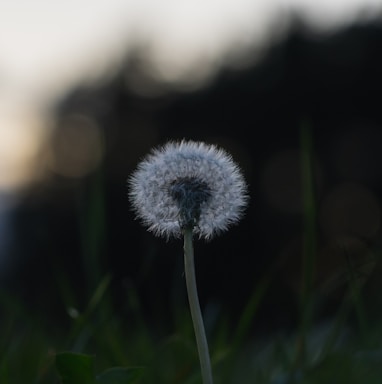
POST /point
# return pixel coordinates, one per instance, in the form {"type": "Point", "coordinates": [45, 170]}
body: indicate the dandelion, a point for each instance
{"type": "Point", "coordinates": [188, 183]}
{"type": "Point", "coordinates": [189, 188]}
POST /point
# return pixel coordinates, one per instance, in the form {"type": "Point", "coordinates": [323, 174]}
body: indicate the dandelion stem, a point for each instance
{"type": "Point", "coordinates": [196, 315]}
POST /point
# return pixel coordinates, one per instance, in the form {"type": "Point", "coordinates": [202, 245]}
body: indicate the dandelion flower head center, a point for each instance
{"type": "Point", "coordinates": [189, 193]}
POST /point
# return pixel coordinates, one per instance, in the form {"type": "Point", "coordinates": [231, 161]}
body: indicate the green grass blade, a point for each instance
{"type": "Point", "coordinates": [75, 368]}
{"type": "Point", "coordinates": [120, 375]}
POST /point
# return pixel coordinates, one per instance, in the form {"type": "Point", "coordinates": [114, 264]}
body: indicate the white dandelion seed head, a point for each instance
{"type": "Point", "coordinates": [188, 183]}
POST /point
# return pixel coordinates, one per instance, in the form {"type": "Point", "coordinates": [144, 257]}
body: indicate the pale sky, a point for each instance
{"type": "Point", "coordinates": [47, 46]}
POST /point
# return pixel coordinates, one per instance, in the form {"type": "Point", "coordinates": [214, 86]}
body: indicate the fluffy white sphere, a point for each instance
{"type": "Point", "coordinates": [220, 195]}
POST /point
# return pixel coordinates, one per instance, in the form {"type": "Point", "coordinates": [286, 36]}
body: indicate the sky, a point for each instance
{"type": "Point", "coordinates": [49, 46]}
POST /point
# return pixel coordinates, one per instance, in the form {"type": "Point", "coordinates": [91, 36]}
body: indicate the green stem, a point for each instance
{"type": "Point", "coordinates": [196, 314]}
{"type": "Point", "coordinates": [309, 245]}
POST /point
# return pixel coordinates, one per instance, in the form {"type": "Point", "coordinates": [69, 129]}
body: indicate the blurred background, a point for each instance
{"type": "Point", "coordinates": [87, 89]}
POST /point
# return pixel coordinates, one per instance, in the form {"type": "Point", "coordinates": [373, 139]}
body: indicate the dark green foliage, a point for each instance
{"type": "Point", "coordinates": [78, 368]}
{"type": "Point", "coordinates": [119, 375]}
{"type": "Point", "coordinates": [75, 368]}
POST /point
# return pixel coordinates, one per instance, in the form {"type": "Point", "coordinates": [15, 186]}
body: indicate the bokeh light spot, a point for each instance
{"type": "Point", "coordinates": [282, 181]}
{"type": "Point", "coordinates": [76, 147]}
{"type": "Point", "coordinates": [350, 209]}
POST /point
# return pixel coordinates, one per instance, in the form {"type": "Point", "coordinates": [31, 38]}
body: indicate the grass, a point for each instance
{"type": "Point", "coordinates": [352, 355]}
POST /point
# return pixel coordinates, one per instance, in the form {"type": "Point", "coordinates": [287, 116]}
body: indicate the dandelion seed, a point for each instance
{"type": "Point", "coordinates": [188, 183]}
